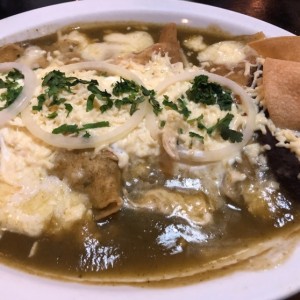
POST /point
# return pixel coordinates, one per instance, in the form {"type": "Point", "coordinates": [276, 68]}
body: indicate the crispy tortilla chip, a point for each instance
{"type": "Point", "coordinates": [281, 82]}
{"type": "Point", "coordinates": [286, 47]}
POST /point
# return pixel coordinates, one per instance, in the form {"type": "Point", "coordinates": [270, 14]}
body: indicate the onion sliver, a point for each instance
{"type": "Point", "coordinates": [152, 124]}
{"type": "Point", "coordinates": [198, 156]}
{"type": "Point", "coordinates": [73, 142]}
{"type": "Point", "coordinates": [23, 99]}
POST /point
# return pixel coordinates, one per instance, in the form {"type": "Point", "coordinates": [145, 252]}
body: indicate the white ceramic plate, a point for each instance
{"type": "Point", "coordinates": [261, 285]}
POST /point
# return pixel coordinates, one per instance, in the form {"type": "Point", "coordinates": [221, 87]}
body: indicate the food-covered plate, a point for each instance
{"type": "Point", "coordinates": [148, 149]}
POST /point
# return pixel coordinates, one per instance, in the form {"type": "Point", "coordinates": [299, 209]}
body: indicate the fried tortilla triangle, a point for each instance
{"type": "Point", "coordinates": [286, 47]}
{"type": "Point", "coordinates": [281, 83]}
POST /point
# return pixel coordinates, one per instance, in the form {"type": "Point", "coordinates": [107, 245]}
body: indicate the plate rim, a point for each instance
{"type": "Point", "coordinates": [68, 290]}
{"type": "Point", "coordinates": [37, 18]}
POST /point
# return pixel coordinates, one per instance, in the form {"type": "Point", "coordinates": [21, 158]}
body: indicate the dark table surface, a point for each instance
{"type": "Point", "coordinates": [282, 13]}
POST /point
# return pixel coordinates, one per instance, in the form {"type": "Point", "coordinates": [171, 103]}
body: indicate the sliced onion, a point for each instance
{"type": "Point", "coordinates": [23, 99]}
{"type": "Point", "coordinates": [152, 124]}
{"type": "Point", "coordinates": [73, 142]}
{"type": "Point", "coordinates": [198, 156]}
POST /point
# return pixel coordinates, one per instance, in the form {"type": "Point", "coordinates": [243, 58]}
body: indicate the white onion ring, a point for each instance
{"type": "Point", "coordinates": [23, 99]}
{"type": "Point", "coordinates": [102, 66]}
{"type": "Point", "coordinates": [71, 142]}
{"type": "Point", "coordinates": [151, 124]}
{"type": "Point", "coordinates": [198, 156]}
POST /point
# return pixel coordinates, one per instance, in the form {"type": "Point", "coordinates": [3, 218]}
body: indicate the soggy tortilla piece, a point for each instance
{"type": "Point", "coordinates": [10, 52]}
{"type": "Point", "coordinates": [281, 83]}
{"type": "Point", "coordinates": [96, 175]}
{"type": "Point", "coordinates": [167, 44]}
{"type": "Point", "coordinates": [285, 47]}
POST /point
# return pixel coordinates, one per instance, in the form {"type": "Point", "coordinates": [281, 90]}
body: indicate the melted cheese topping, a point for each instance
{"type": "Point", "coordinates": [228, 53]}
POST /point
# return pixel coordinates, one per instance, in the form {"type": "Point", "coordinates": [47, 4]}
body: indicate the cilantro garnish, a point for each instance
{"type": "Point", "coordinates": [155, 104]}
{"type": "Point", "coordinates": [41, 100]}
{"type": "Point", "coordinates": [196, 135]}
{"type": "Point", "coordinates": [226, 133]}
{"type": "Point", "coordinates": [101, 95]}
{"type": "Point", "coordinates": [52, 115]}
{"type": "Point", "coordinates": [109, 104]}
{"type": "Point", "coordinates": [209, 93]}
{"type": "Point", "coordinates": [95, 125]}
{"type": "Point", "coordinates": [162, 124]}
{"type": "Point", "coordinates": [15, 74]}
{"type": "Point", "coordinates": [183, 108]}
{"type": "Point", "coordinates": [180, 131]}
{"type": "Point", "coordinates": [69, 129]}
{"type": "Point", "coordinates": [124, 92]}
{"type": "Point", "coordinates": [125, 86]}
{"type": "Point", "coordinates": [168, 103]}
{"type": "Point", "coordinates": [90, 102]}
{"type": "Point", "coordinates": [57, 82]}
{"type": "Point", "coordinates": [13, 89]}
{"type": "Point", "coordinates": [222, 123]}
{"type": "Point", "coordinates": [66, 129]}
{"type": "Point", "coordinates": [68, 108]}
{"type": "Point", "coordinates": [180, 108]}
{"type": "Point", "coordinates": [134, 94]}
{"type": "Point", "coordinates": [232, 135]}
{"type": "Point", "coordinates": [86, 135]}
{"type": "Point", "coordinates": [222, 126]}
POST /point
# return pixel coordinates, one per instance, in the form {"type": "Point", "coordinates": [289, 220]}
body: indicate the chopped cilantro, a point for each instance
{"type": "Point", "coordinates": [222, 126]}
{"type": "Point", "coordinates": [68, 108]}
{"type": "Point", "coordinates": [52, 115]}
{"type": "Point", "coordinates": [95, 125]}
{"type": "Point", "coordinates": [13, 89]}
{"type": "Point", "coordinates": [226, 133]}
{"type": "Point", "coordinates": [209, 93]}
{"type": "Point", "coordinates": [182, 109]}
{"type": "Point", "coordinates": [66, 129]}
{"type": "Point", "coordinates": [199, 120]}
{"type": "Point", "coordinates": [223, 123]}
{"type": "Point", "coordinates": [124, 101]}
{"type": "Point", "coordinates": [162, 124]}
{"type": "Point", "coordinates": [200, 125]}
{"type": "Point", "coordinates": [15, 74]}
{"type": "Point", "coordinates": [57, 101]}
{"type": "Point", "coordinates": [154, 103]}
{"type": "Point", "coordinates": [196, 135]}
{"type": "Point", "coordinates": [146, 92]}
{"type": "Point", "coordinates": [180, 131]}
{"type": "Point", "coordinates": [109, 104]}
{"type": "Point", "coordinates": [132, 99]}
{"type": "Point", "coordinates": [69, 129]}
{"type": "Point", "coordinates": [56, 82]}
{"type": "Point", "coordinates": [125, 86]}
{"type": "Point", "coordinates": [101, 95]}
{"type": "Point", "coordinates": [170, 104]}
{"type": "Point", "coordinates": [86, 135]}
{"type": "Point", "coordinates": [232, 135]}
{"type": "Point", "coordinates": [41, 100]}
{"type": "Point", "coordinates": [90, 102]}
